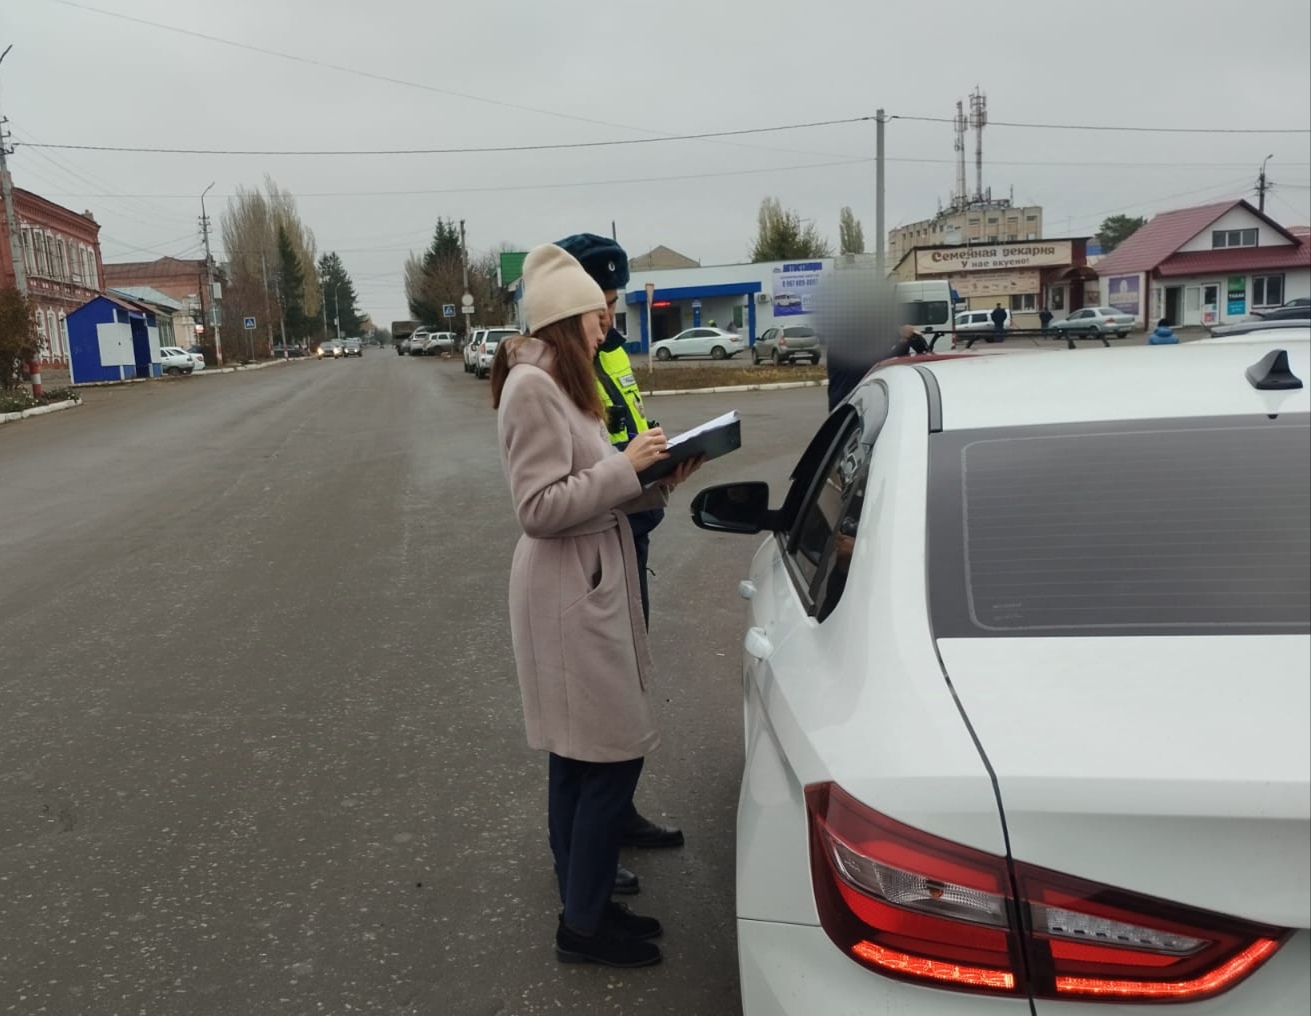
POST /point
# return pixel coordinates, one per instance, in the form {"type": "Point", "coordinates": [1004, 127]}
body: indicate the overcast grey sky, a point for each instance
{"type": "Point", "coordinates": [533, 72]}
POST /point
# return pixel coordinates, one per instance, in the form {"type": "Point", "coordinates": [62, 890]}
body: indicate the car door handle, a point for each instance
{"type": "Point", "coordinates": [757, 643]}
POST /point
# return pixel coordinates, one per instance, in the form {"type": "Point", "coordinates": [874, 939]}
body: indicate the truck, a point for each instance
{"type": "Point", "coordinates": [400, 335]}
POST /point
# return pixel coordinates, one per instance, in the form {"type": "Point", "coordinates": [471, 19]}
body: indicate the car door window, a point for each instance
{"type": "Point", "coordinates": [827, 514]}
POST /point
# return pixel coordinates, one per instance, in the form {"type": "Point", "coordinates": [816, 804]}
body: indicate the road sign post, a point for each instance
{"type": "Point", "coordinates": [448, 310]}
{"type": "Point", "coordinates": [250, 336]}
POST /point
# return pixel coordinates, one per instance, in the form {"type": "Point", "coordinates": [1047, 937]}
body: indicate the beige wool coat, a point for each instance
{"type": "Point", "coordinates": [580, 645]}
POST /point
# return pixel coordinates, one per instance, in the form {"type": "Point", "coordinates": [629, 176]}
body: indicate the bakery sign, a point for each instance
{"type": "Point", "coordinates": [992, 257]}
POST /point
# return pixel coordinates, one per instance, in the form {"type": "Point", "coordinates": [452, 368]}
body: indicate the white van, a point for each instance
{"type": "Point", "coordinates": [926, 304]}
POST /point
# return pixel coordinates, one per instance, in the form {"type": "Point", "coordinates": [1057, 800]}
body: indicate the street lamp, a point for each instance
{"type": "Point", "coordinates": [336, 308]}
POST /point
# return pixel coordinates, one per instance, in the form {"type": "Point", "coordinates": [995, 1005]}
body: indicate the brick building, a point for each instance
{"type": "Point", "coordinates": [182, 279]}
{"type": "Point", "coordinates": [61, 252]}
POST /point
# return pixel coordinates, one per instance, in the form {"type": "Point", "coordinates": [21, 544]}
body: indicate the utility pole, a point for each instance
{"type": "Point", "coordinates": [1262, 186]}
{"type": "Point", "coordinates": [268, 310]}
{"type": "Point", "coordinates": [336, 309]}
{"type": "Point", "coordinates": [464, 264]}
{"type": "Point", "coordinates": [15, 237]}
{"type": "Point", "coordinates": [209, 279]}
{"type": "Point", "coordinates": [881, 234]}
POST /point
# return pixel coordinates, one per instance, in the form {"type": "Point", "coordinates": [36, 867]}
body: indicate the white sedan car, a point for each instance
{"type": "Point", "coordinates": [1026, 698]}
{"type": "Point", "coordinates": [173, 360]}
{"type": "Point", "coordinates": [715, 343]}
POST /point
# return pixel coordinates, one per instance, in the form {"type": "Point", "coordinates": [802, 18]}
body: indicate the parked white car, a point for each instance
{"type": "Point", "coordinates": [715, 343]}
{"type": "Point", "coordinates": [173, 360]}
{"type": "Point", "coordinates": [1026, 705]}
{"type": "Point", "coordinates": [487, 341]}
{"type": "Point", "coordinates": [471, 350]}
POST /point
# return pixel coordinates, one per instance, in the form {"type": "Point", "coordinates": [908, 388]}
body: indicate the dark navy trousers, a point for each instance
{"type": "Point", "coordinates": [587, 805]}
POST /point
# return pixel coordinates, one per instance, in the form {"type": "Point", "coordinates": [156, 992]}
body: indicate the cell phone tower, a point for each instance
{"type": "Point", "coordinates": [978, 120]}
{"type": "Point", "coordinates": [961, 197]}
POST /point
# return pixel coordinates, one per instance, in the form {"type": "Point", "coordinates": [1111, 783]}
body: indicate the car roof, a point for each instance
{"type": "Point", "coordinates": [1128, 383]}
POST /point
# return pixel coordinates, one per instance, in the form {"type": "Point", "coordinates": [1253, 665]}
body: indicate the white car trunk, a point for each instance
{"type": "Point", "coordinates": [1179, 766]}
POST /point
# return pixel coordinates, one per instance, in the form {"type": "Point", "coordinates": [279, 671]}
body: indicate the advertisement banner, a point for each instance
{"type": "Point", "coordinates": [997, 284]}
{"type": "Point", "coordinates": [1123, 294]}
{"type": "Point", "coordinates": [1237, 290]}
{"type": "Point", "coordinates": [992, 257]}
{"type": "Point", "coordinates": [795, 286]}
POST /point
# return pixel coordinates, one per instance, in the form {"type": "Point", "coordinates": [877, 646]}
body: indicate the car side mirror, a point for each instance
{"type": "Point", "coordinates": [734, 508]}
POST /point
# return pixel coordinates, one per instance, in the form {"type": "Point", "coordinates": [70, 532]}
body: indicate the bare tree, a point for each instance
{"type": "Point", "coordinates": [250, 226]}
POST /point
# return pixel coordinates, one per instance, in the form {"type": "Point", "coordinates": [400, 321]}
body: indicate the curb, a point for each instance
{"type": "Point", "coordinates": [724, 389]}
{"type": "Point", "coordinates": [39, 411]}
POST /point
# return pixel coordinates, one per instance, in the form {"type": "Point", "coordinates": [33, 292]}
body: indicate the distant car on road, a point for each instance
{"type": "Point", "coordinates": [352, 347]}
{"type": "Point", "coordinates": [715, 343]}
{"type": "Point", "coordinates": [786, 345]}
{"type": "Point", "coordinates": [1099, 321]}
{"type": "Point", "coordinates": [174, 360]}
{"type": "Point", "coordinates": [331, 349]}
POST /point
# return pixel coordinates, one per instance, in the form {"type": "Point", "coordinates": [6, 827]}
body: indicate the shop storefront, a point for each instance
{"type": "Point", "coordinates": [1022, 277]}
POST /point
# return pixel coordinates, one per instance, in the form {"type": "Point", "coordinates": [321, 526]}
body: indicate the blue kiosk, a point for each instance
{"type": "Point", "coordinates": [111, 338]}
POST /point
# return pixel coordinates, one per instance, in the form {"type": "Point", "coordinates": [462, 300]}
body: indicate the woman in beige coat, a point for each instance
{"type": "Point", "coordinates": [580, 644]}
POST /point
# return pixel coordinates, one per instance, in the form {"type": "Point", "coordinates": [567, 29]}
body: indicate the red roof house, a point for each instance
{"type": "Point", "coordinates": [1205, 265]}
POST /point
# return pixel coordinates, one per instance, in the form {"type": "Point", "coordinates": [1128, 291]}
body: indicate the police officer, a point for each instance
{"type": "Point", "coordinates": [606, 262]}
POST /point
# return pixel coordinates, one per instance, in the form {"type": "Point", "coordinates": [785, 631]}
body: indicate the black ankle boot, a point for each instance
{"type": "Point", "coordinates": [607, 947]}
{"type": "Point", "coordinates": [634, 926]}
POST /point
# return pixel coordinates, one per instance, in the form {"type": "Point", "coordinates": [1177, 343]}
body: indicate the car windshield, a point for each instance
{"type": "Point", "coordinates": [1122, 528]}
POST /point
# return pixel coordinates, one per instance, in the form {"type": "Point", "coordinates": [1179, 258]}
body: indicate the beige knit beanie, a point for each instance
{"type": "Point", "coordinates": [556, 287]}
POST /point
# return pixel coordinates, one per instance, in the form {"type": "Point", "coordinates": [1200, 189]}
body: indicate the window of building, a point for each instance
{"type": "Point", "coordinates": [42, 258]}
{"type": "Point", "coordinates": [1267, 290]}
{"type": "Point", "coordinates": [1058, 298]}
{"type": "Point", "coordinates": [1031, 218]}
{"type": "Point", "coordinates": [1024, 301]}
{"type": "Point", "coordinates": [52, 332]}
{"type": "Point", "coordinates": [75, 262]}
{"type": "Point", "coordinates": [63, 337]}
{"type": "Point", "coordinates": [1233, 238]}
{"type": "Point", "coordinates": [29, 258]}
{"type": "Point", "coordinates": [59, 268]}
{"type": "Point", "coordinates": [994, 238]}
{"type": "Point", "coordinates": [92, 278]}
{"type": "Point", "coordinates": [1032, 236]}
{"type": "Point", "coordinates": [973, 222]}
{"type": "Point", "coordinates": [993, 218]}
{"type": "Point", "coordinates": [1012, 237]}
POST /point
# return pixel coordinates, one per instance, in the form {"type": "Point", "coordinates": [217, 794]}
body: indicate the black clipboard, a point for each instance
{"type": "Point", "coordinates": [708, 441]}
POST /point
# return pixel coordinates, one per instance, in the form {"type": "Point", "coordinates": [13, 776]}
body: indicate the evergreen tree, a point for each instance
{"type": "Point", "coordinates": [291, 287]}
{"type": "Point", "coordinates": [339, 296]}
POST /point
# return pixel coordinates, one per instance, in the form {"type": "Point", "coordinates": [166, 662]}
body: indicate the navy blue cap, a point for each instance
{"type": "Point", "coordinates": [601, 258]}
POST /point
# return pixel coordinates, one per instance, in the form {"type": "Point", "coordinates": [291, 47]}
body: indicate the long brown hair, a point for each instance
{"type": "Point", "coordinates": [571, 367]}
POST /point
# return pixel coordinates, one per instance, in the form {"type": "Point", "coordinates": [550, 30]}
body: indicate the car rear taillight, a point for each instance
{"type": "Point", "coordinates": [919, 908]}
{"type": "Point", "coordinates": [782, 343]}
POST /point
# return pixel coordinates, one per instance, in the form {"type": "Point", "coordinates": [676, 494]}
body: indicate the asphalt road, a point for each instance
{"type": "Point", "coordinates": [261, 748]}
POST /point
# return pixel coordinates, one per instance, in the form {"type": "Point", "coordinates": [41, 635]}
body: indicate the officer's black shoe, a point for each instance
{"type": "Point", "coordinates": [622, 920]}
{"type": "Point", "coordinates": [626, 883]}
{"type": "Point", "coordinates": [645, 833]}
{"type": "Point", "coordinates": [608, 947]}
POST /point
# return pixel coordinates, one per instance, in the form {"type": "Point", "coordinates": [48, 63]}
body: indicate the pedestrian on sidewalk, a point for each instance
{"type": "Point", "coordinates": [1045, 320]}
{"type": "Point", "coordinates": [999, 319]}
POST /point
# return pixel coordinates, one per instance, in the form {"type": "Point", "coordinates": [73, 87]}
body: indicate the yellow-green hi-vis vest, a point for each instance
{"type": "Point", "coordinates": [625, 415]}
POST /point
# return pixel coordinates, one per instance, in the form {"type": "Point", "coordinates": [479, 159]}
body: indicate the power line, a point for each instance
{"type": "Point", "coordinates": [374, 76]}
{"type": "Point", "coordinates": [1112, 127]}
{"type": "Point", "coordinates": [473, 150]}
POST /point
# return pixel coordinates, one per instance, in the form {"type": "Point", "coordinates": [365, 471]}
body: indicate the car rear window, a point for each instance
{"type": "Point", "coordinates": [1199, 526]}
{"type": "Point", "coordinates": [799, 332]}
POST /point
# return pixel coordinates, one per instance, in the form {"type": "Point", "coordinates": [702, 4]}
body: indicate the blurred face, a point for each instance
{"type": "Point", "coordinates": [611, 301]}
